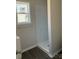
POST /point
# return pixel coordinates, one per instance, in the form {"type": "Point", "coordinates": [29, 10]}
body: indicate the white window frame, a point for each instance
{"type": "Point", "coordinates": [23, 23]}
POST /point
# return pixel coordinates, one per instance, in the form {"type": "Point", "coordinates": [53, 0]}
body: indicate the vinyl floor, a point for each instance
{"type": "Point", "coordinates": [37, 53]}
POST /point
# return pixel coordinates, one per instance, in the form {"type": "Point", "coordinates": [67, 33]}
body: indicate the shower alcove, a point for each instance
{"type": "Point", "coordinates": [48, 26]}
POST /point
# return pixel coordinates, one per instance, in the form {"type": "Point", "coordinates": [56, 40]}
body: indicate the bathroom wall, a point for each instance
{"type": "Point", "coordinates": [56, 25]}
{"type": "Point", "coordinates": [36, 32]}
{"type": "Point", "coordinates": [28, 32]}
{"type": "Point", "coordinates": [41, 21]}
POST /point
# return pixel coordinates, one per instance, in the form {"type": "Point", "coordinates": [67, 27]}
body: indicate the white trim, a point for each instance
{"type": "Point", "coordinates": [50, 55]}
{"type": "Point", "coordinates": [29, 48]}
{"type": "Point", "coordinates": [20, 2]}
{"type": "Point", "coordinates": [47, 52]}
{"type": "Point", "coordinates": [49, 23]}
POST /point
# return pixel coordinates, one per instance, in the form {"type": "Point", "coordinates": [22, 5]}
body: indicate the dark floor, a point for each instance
{"type": "Point", "coordinates": [37, 53]}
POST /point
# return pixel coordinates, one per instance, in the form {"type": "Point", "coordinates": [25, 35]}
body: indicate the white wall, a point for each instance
{"type": "Point", "coordinates": [41, 21]}
{"type": "Point", "coordinates": [54, 15]}
{"type": "Point", "coordinates": [28, 34]}
{"type": "Point", "coordinates": [38, 30]}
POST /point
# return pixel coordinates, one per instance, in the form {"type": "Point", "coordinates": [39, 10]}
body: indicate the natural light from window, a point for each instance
{"type": "Point", "coordinates": [23, 13]}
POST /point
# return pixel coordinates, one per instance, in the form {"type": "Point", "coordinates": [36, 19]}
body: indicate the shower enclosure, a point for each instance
{"type": "Point", "coordinates": [48, 26]}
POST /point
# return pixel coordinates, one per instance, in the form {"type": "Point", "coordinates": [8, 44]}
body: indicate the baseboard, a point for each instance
{"type": "Point", "coordinates": [47, 52]}
{"type": "Point", "coordinates": [50, 55]}
{"type": "Point", "coordinates": [29, 48]}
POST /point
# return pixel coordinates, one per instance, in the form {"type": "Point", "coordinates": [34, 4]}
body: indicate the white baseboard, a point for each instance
{"type": "Point", "coordinates": [29, 48]}
{"type": "Point", "coordinates": [50, 55]}
{"type": "Point", "coordinates": [47, 51]}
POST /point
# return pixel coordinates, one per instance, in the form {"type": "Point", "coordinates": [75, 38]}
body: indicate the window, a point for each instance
{"type": "Point", "coordinates": [23, 13]}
